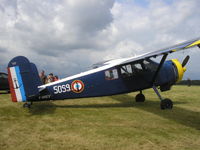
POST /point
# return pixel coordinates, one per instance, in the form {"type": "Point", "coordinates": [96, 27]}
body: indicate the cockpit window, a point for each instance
{"type": "Point", "coordinates": [150, 65]}
{"type": "Point", "coordinates": [136, 68]}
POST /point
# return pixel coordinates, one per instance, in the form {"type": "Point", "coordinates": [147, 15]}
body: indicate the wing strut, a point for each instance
{"type": "Point", "coordinates": [165, 103]}
{"type": "Point", "coordinates": [159, 67]}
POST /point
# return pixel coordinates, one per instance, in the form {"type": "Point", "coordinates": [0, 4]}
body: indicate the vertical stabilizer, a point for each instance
{"type": "Point", "coordinates": [23, 79]}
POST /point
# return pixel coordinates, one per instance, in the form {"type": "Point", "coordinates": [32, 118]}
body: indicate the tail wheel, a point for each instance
{"type": "Point", "coordinates": [166, 104]}
{"type": "Point", "coordinates": [140, 97]}
{"type": "Point", "coordinates": [27, 105]}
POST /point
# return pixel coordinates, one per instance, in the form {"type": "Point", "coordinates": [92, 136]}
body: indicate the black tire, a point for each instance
{"type": "Point", "coordinates": [166, 104]}
{"type": "Point", "coordinates": [140, 97]}
{"type": "Point", "coordinates": [29, 106]}
{"type": "Point", "coordinates": [26, 105]}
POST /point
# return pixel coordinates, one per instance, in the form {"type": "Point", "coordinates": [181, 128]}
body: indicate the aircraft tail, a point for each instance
{"type": "Point", "coordinates": [23, 79]}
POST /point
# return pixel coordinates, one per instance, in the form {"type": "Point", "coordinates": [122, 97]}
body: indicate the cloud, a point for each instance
{"type": "Point", "coordinates": [2, 50]}
{"type": "Point", "coordinates": [53, 30]}
{"type": "Point", "coordinates": [73, 34]}
{"type": "Point", "coordinates": [63, 26]}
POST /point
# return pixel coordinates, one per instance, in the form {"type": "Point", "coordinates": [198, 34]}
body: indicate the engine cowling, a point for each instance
{"type": "Point", "coordinates": [180, 70]}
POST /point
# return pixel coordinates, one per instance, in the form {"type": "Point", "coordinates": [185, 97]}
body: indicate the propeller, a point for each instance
{"type": "Point", "coordinates": [185, 61]}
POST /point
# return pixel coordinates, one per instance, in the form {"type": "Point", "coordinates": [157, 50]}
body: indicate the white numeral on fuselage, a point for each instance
{"type": "Point", "coordinates": [62, 88]}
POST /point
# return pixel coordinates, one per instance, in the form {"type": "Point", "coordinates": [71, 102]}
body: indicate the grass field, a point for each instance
{"type": "Point", "coordinates": [115, 122]}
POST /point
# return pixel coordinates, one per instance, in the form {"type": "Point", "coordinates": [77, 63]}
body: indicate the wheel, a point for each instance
{"type": "Point", "coordinates": [166, 104]}
{"type": "Point", "coordinates": [140, 97]}
{"type": "Point", "coordinates": [26, 105]}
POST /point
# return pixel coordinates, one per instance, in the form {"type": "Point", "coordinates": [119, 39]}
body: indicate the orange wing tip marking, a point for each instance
{"type": "Point", "coordinates": [77, 86]}
{"type": "Point", "coordinates": [194, 44]}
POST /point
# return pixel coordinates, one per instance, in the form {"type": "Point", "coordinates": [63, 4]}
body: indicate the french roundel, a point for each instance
{"type": "Point", "coordinates": [77, 86]}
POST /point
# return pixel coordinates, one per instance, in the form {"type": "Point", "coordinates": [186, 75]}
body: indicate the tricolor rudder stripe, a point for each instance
{"type": "Point", "coordinates": [16, 84]}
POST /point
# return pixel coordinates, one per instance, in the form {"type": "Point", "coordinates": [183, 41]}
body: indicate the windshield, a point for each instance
{"type": "Point", "coordinates": [149, 65]}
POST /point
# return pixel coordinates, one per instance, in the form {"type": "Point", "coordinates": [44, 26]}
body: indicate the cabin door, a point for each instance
{"type": "Point", "coordinates": [133, 76]}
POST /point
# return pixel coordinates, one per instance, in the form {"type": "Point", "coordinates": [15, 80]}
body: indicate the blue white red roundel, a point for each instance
{"type": "Point", "coordinates": [77, 86]}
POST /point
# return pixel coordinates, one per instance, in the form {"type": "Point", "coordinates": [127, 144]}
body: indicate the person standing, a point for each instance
{"type": "Point", "coordinates": [43, 77]}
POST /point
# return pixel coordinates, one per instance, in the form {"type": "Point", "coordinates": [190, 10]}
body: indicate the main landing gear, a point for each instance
{"type": "Point", "coordinates": [27, 105]}
{"type": "Point", "coordinates": [165, 103]}
{"type": "Point", "coordinates": [140, 97]}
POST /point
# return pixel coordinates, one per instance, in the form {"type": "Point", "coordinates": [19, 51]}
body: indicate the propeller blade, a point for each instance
{"type": "Point", "coordinates": [185, 61]}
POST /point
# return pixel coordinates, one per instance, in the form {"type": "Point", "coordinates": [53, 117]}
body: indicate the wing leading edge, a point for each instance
{"type": "Point", "coordinates": [175, 48]}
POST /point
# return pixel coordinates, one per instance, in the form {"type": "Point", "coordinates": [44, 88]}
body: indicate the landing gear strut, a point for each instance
{"type": "Point", "coordinates": [27, 105]}
{"type": "Point", "coordinates": [165, 103]}
{"type": "Point", "coordinates": [140, 97]}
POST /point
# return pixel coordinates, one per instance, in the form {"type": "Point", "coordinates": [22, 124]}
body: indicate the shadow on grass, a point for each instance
{"type": "Point", "coordinates": [48, 107]}
{"type": "Point", "coordinates": [42, 108]}
{"type": "Point", "coordinates": [180, 115]}
{"type": "Point", "coordinates": [102, 105]}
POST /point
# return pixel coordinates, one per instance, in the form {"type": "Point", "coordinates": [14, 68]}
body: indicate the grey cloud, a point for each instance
{"type": "Point", "coordinates": [63, 26]}
{"type": "Point", "coordinates": [89, 16]}
{"type": "Point", "coordinates": [2, 49]}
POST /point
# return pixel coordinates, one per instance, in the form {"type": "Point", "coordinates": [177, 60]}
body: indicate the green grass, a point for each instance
{"type": "Point", "coordinates": [115, 122]}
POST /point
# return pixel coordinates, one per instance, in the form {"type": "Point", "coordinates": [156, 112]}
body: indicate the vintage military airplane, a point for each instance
{"type": "Point", "coordinates": [4, 82]}
{"type": "Point", "coordinates": [107, 78]}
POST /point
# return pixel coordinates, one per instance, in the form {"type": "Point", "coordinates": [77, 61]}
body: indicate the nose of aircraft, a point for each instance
{"type": "Point", "coordinates": [180, 69]}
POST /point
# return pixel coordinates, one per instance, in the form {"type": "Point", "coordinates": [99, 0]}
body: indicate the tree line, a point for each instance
{"type": "Point", "coordinates": [189, 82]}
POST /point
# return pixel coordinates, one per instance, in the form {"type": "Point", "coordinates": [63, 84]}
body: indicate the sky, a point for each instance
{"type": "Point", "coordinates": [68, 36]}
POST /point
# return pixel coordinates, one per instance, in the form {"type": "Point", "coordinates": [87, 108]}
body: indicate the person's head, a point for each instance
{"type": "Point", "coordinates": [56, 77]}
{"type": "Point", "coordinates": [51, 74]}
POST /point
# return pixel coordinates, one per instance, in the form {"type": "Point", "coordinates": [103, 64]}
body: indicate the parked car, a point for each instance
{"type": "Point", "coordinates": [4, 81]}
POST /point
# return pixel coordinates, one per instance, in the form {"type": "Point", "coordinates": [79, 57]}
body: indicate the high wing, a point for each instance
{"type": "Point", "coordinates": [166, 51]}
{"type": "Point", "coordinates": [115, 62]}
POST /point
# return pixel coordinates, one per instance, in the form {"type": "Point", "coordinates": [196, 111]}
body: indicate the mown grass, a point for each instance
{"type": "Point", "coordinates": [115, 122]}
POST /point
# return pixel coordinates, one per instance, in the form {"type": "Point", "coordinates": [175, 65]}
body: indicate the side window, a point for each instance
{"type": "Point", "coordinates": [111, 74]}
{"type": "Point", "coordinates": [126, 70]}
{"type": "Point", "coordinates": [137, 67]}
{"type": "Point", "coordinates": [115, 74]}
{"type": "Point", "coordinates": [107, 74]}
{"type": "Point", "coordinates": [145, 64]}
{"type": "Point", "coordinates": [129, 69]}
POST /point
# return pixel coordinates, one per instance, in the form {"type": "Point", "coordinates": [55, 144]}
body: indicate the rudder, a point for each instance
{"type": "Point", "coordinates": [23, 79]}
